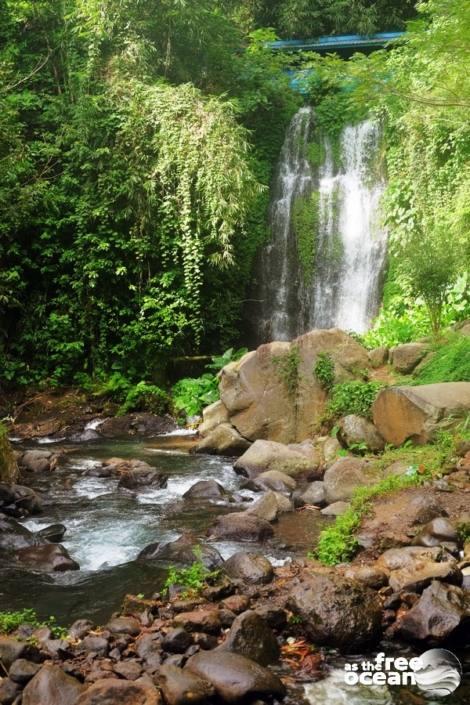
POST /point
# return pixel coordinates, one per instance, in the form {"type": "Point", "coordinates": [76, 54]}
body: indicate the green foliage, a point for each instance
{"type": "Point", "coordinates": [145, 397]}
{"type": "Point", "coordinates": [287, 367]}
{"type": "Point", "coordinates": [305, 220]}
{"type": "Point", "coordinates": [192, 394]}
{"type": "Point", "coordinates": [193, 579]}
{"type": "Point", "coordinates": [10, 621]}
{"type": "Point", "coordinates": [324, 370]}
{"type": "Point", "coordinates": [338, 542]}
{"type": "Point", "coordinates": [352, 398]}
{"type": "Point", "coordinates": [316, 153]}
{"type": "Point", "coordinates": [450, 362]}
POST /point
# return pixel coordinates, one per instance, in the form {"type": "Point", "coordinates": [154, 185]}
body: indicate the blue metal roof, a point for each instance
{"type": "Point", "coordinates": [345, 41]}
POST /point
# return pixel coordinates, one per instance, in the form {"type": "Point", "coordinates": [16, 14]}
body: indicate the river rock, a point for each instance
{"type": "Point", "coordinates": [8, 691]}
{"type": "Point", "coordinates": [235, 677]}
{"type": "Point", "coordinates": [11, 649]}
{"type": "Point", "coordinates": [184, 551]}
{"type": "Point", "coordinates": [176, 641]}
{"type": "Point", "coordinates": [438, 612]}
{"type": "Point", "coordinates": [437, 532]}
{"type": "Point", "coordinates": [250, 636]}
{"type": "Point", "coordinates": [21, 671]}
{"type": "Point", "coordinates": [293, 460]}
{"type": "Point", "coordinates": [240, 526]}
{"type": "Point", "coordinates": [378, 357]}
{"type": "Point", "coordinates": [270, 506]}
{"type": "Point", "coordinates": [49, 557]}
{"type": "Point", "coordinates": [260, 404]}
{"type": "Point", "coordinates": [53, 686]}
{"type": "Point", "coordinates": [137, 424]}
{"type": "Point", "coordinates": [27, 499]}
{"type": "Point", "coordinates": [113, 691]}
{"type": "Point", "coordinates": [330, 448]}
{"type": "Point", "coordinates": [223, 440]}
{"type": "Point", "coordinates": [181, 687]}
{"type": "Point", "coordinates": [416, 413]}
{"type": "Point", "coordinates": [412, 568]}
{"type": "Point", "coordinates": [404, 358]}
{"type": "Point", "coordinates": [342, 478]}
{"type": "Point", "coordinates": [249, 567]}
{"type": "Point", "coordinates": [38, 460]}
{"type": "Point", "coordinates": [124, 625]}
{"type": "Point", "coordinates": [355, 429]}
{"type": "Point", "coordinates": [205, 490]}
{"type": "Point", "coordinates": [80, 628]}
{"type": "Point", "coordinates": [369, 575]}
{"type": "Point", "coordinates": [212, 416]}
{"type": "Point", "coordinates": [202, 620]}
{"type": "Point", "coordinates": [336, 509]}
{"type": "Point", "coordinates": [337, 612]}
{"type": "Point", "coordinates": [15, 536]}
{"type": "Point", "coordinates": [313, 494]}
{"type": "Point", "coordinates": [272, 480]}
{"type": "Point", "coordinates": [53, 533]}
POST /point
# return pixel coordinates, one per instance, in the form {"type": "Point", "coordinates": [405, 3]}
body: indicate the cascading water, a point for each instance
{"type": "Point", "coordinates": [351, 244]}
{"type": "Point", "coordinates": [347, 243]}
{"type": "Point", "coordinates": [280, 284]}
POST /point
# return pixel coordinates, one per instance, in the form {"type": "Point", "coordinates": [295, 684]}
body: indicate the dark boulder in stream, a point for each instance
{"type": "Point", "coordinates": [241, 526]}
{"type": "Point", "coordinates": [184, 551]}
{"type": "Point", "coordinates": [47, 557]}
{"type": "Point", "coordinates": [337, 612]}
{"type": "Point", "coordinates": [205, 490]}
{"type": "Point", "coordinates": [15, 536]}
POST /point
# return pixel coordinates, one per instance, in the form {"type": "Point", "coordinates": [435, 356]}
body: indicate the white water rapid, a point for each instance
{"type": "Point", "coordinates": [347, 241]}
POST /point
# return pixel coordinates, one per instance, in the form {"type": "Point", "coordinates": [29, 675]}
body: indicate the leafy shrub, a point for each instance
{"type": "Point", "coordinates": [352, 398]}
{"type": "Point", "coordinates": [449, 363]}
{"type": "Point", "coordinates": [192, 394]}
{"type": "Point", "coordinates": [144, 396]}
{"type": "Point", "coordinates": [324, 370]}
{"type": "Point", "coordinates": [192, 579]}
{"type": "Point", "coordinates": [9, 621]}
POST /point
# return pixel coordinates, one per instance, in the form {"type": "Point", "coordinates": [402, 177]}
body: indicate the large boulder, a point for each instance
{"type": "Point", "coordinates": [337, 612]}
{"type": "Point", "coordinates": [112, 691]}
{"type": "Point", "coordinates": [293, 460]}
{"type": "Point", "coordinates": [181, 687]}
{"type": "Point", "coordinates": [240, 526]}
{"type": "Point", "coordinates": [235, 677]}
{"type": "Point", "coordinates": [261, 401]}
{"type": "Point", "coordinates": [250, 636]}
{"type": "Point", "coordinates": [15, 536]}
{"type": "Point", "coordinates": [356, 430]}
{"type": "Point", "coordinates": [53, 686]}
{"type": "Point", "coordinates": [38, 460]}
{"type": "Point", "coordinates": [212, 416]}
{"type": "Point", "coordinates": [404, 358]}
{"type": "Point", "coordinates": [183, 551]}
{"type": "Point", "coordinates": [416, 413]}
{"type": "Point", "coordinates": [270, 506]}
{"type": "Point", "coordinates": [272, 480]}
{"type": "Point", "coordinates": [413, 568]}
{"type": "Point", "coordinates": [205, 490]}
{"type": "Point", "coordinates": [223, 440]}
{"type": "Point", "coordinates": [438, 612]}
{"type": "Point", "coordinates": [48, 557]}
{"type": "Point", "coordinates": [342, 478]}
{"type": "Point", "coordinates": [249, 567]}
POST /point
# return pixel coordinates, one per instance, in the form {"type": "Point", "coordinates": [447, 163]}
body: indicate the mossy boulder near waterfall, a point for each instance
{"type": "Point", "coordinates": [273, 394]}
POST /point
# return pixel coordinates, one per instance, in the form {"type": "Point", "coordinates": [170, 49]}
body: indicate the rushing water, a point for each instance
{"type": "Point", "coordinates": [347, 240]}
{"type": "Point", "coordinates": [107, 527]}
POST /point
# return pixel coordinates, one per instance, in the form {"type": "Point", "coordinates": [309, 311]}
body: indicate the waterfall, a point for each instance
{"type": "Point", "coordinates": [347, 241]}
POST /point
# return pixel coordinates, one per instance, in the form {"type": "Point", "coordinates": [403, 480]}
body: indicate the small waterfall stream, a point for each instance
{"type": "Point", "coordinates": [347, 243]}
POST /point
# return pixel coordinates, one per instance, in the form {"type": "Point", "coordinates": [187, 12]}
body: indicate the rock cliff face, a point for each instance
{"type": "Point", "coordinates": [272, 392]}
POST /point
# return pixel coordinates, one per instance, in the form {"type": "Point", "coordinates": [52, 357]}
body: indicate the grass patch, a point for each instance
{"type": "Point", "coordinates": [352, 398]}
{"type": "Point", "coordinates": [193, 579]}
{"type": "Point", "coordinates": [287, 366]}
{"type": "Point", "coordinates": [338, 543]}
{"type": "Point", "coordinates": [10, 621]}
{"type": "Point", "coordinates": [449, 363]}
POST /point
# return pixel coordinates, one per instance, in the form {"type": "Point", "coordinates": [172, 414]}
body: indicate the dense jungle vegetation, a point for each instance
{"type": "Point", "coordinates": [137, 142]}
